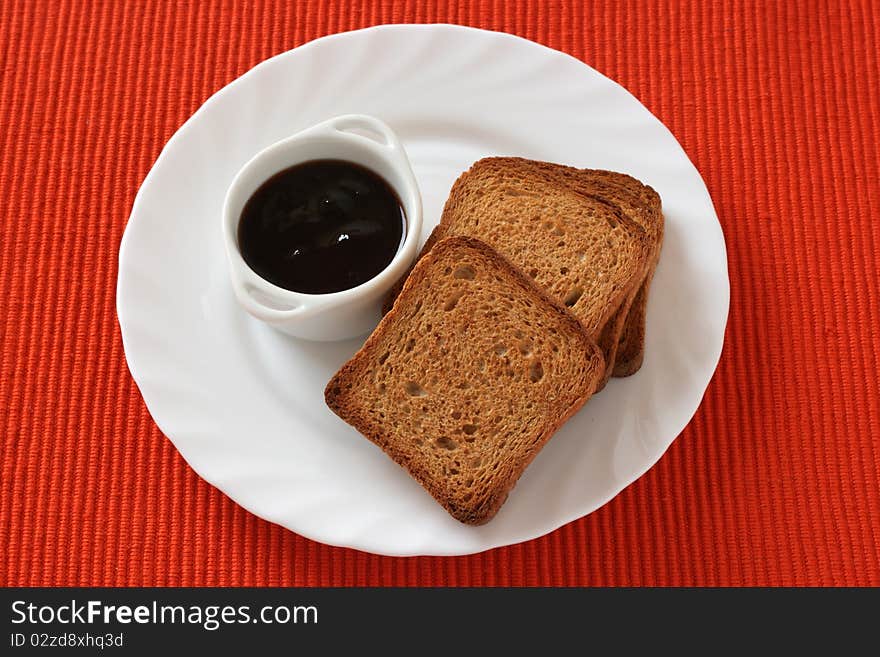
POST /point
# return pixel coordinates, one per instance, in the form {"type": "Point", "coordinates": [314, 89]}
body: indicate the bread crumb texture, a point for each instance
{"type": "Point", "coordinates": [468, 376]}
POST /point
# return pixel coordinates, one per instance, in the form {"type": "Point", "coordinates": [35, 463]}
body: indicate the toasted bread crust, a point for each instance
{"type": "Point", "coordinates": [645, 207]}
{"type": "Point", "coordinates": [622, 336]}
{"type": "Point", "coordinates": [557, 177]}
{"type": "Point", "coordinates": [559, 400]}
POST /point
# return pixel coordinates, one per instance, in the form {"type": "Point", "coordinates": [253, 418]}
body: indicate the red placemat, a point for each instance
{"type": "Point", "coordinates": [775, 481]}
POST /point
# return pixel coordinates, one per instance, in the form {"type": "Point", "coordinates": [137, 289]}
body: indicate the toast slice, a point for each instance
{"type": "Point", "coordinates": [642, 204]}
{"type": "Point", "coordinates": [467, 377]}
{"type": "Point", "coordinates": [582, 249]}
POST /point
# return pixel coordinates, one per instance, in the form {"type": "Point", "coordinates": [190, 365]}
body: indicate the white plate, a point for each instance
{"type": "Point", "coordinates": [244, 404]}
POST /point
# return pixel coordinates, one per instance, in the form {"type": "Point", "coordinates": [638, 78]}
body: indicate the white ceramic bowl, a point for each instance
{"type": "Point", "coordinates": [356, 138]}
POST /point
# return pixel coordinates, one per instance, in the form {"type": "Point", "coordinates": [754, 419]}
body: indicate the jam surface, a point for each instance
{"type": "Point", "coordinates": [321, 226]}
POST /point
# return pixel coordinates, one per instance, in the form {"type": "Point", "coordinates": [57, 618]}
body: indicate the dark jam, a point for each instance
{"type": "Point", "coordinates": [321, 226]}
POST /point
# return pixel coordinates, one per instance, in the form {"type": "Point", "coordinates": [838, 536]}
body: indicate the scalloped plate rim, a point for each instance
{"type": "Point", "coordinates": [191, 456]}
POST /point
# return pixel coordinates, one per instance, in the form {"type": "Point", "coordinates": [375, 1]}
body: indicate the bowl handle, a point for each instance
{"type": "Point", "coordinates": [366, 127]}
{"type": "Point", "coordinates": [261, 306]}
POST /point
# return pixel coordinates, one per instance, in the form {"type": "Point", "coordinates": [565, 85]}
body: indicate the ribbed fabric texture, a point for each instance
{"type": "Point", "coordinates": [774, 482]}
